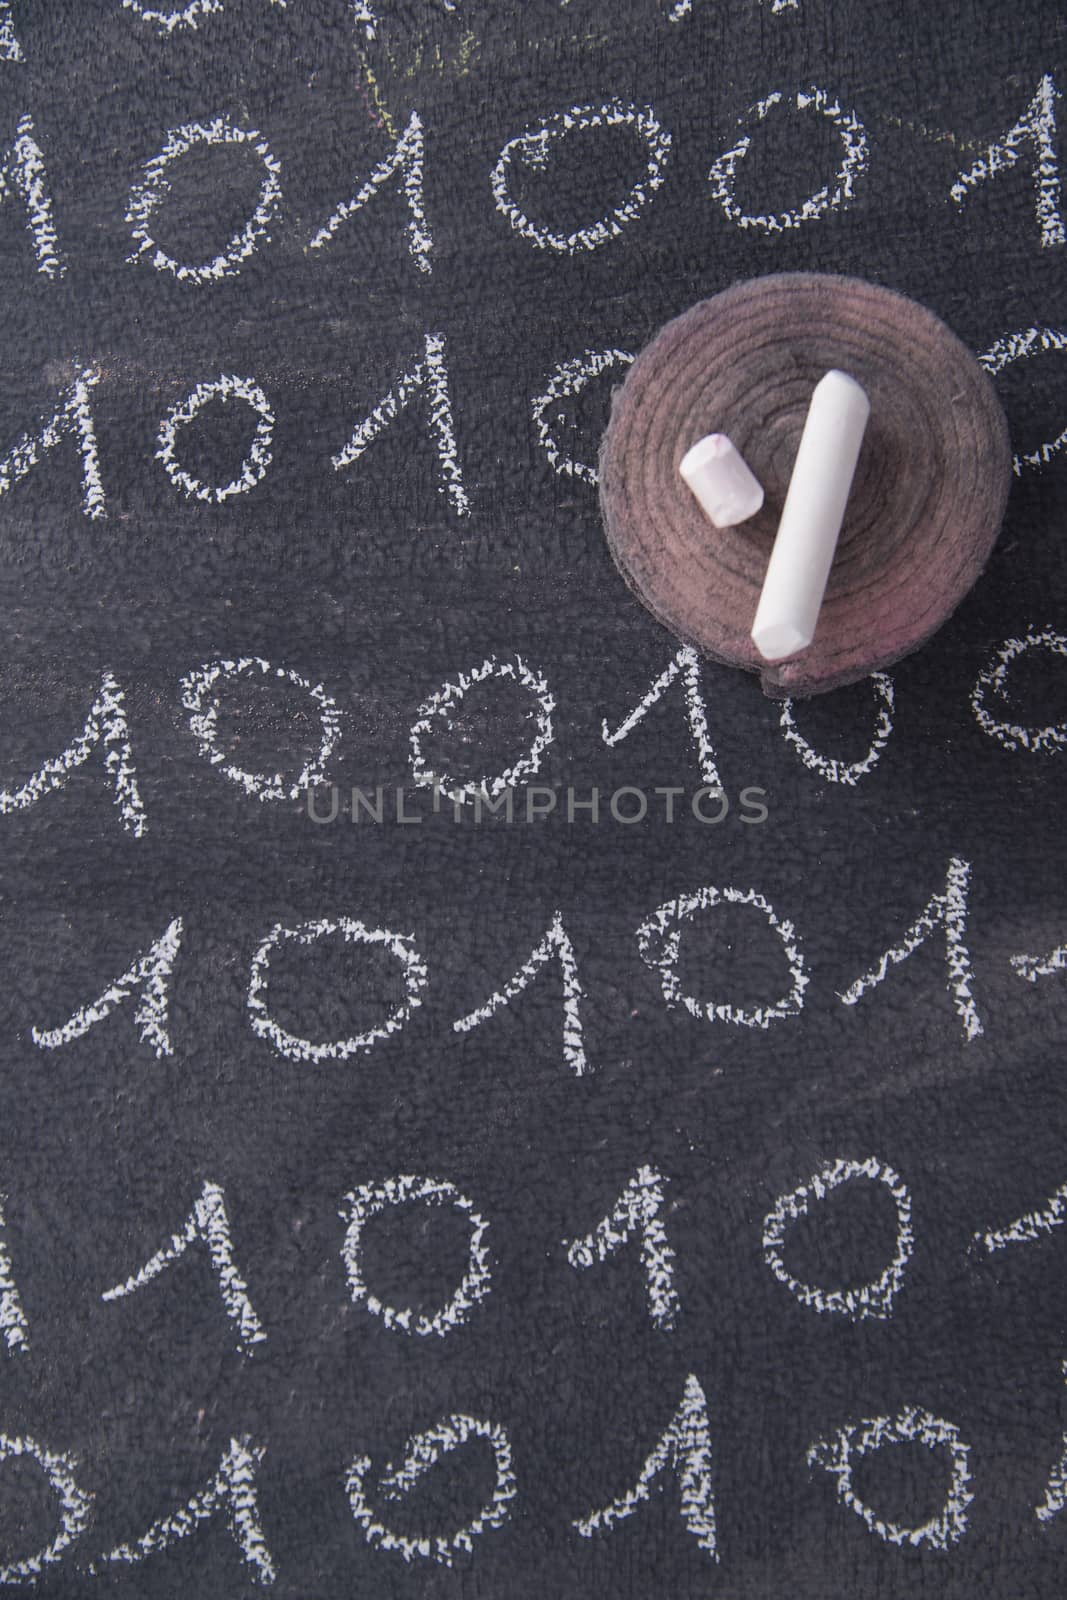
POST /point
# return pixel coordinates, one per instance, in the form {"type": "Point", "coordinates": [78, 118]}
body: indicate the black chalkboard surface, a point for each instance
{"type": "Point", "coordinates": [492, 1105]}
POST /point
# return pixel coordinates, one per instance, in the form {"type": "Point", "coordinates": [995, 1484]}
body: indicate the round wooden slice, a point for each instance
{"type": "Point", "coordinates": [927, 499]}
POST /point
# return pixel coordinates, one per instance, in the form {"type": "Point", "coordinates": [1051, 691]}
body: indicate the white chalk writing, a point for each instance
{"type": "Point", "coordinates": [147, 198]}
{"type": "Point", "coordinates": [829, 767]}
{"type": "Point", "coordinates": [292, 1045]}
{"type": "Point", "coordinates": [532, 150]}
{"type": "Point", "coordinates": [1018, 347]}
{"type": "Point", "coordinates": [1033, 967]}
{"type": "Point", "coordinates": [75, 1506]}
{"type": "Point", "coordinates": [839, 1454]}
{"type": "Point", "coordinates": [22, 170]}
{"type": "Point", "coordinates": [1056, 1488]}
{"type": "Point", "coordinates": [994, 678]}
{"type": "Point", "coordinates": [949, 911]}
{"type": "Point", "coordinates": [420, 1454]}
{"type": "Point", "coordinates": [10, 49]}
{"type": "Point", "coordinates": [659, 943]}
{"type": "Point", "coordinates": [428, 377]}
{"type": "Point", "coordinates": [404, 162]}
{"type": "Point", "coordinates": [873, 1299]}
{"type": "Point", "coordinates": [638, 1211]}
{"type": "Point", "coordinates": [149, 977]}
{"type": "Point", "coordinates": [567, 379]}
{"type": "Point", "coordinates": [73, 418]}
{"type": "Point", "coordinates": [556, 943]}
{"type": "Point", "coordinates": [232, 1490]}
{"type": "Point", "coordinates": [435, 715]}
{"type": "Point", "coordinates": [1030, 1227]}
{"type": "Point", "coordinates": [684, 1450]}
{"type": "Point", "coordinates": [687, 665]}
{"type": "Point", "coordinates": [253, 468]}
{"type": "Point", "coordinates": [1036, 128]}
{"type": "Point", "coordinates": [105, 725]}
{"type": "Point", "coordinates": [207, 1224]}
{"type": "Point", "coordinates": [853, 136]}
{"type": "Point", "coordinates": [13, 1323]}
{"type": "Point", "coordinates": [203, 708]}
{"type": "Point", "coordinates": [369, 1201]}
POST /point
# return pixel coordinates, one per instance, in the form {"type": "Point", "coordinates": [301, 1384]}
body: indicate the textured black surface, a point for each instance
{"type": "Point", "coordinates": [367, 582]}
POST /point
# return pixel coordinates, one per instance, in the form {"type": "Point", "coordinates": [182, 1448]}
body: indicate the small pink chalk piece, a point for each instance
{"type": "Point", "coordinates": [721, 479]}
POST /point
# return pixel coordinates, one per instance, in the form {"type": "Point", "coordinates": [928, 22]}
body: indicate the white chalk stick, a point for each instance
{"type": "Point", "coordinates": [722, 481]}
{"type": "Point", "coordinates": [814, 509]}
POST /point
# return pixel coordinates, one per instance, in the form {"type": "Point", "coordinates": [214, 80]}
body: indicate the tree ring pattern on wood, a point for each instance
{"type": "Point", "coordinates": [927, 499]}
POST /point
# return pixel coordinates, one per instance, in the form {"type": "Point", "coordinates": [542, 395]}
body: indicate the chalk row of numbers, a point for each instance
{"type": "Point", "coordinates": [684, 1451]}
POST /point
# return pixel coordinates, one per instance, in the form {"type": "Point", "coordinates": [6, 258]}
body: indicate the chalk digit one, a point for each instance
{"type": "Point", "coordinates": [232, 1491]}
{"type": "Point", "coordinates": [684, 1451]}
{"type": "Point", "coordinates": [1036, 128]}
{"type": "Point", "coordinates": [556, 943]}
{"type": "Point", "coordinates": [428, 380]}
{"type": "Point", "coordinates": [105, 729]}
{"type": "Point", "coordinates": [404, 164]}
{"type": "Point", "coordinates": [637, 1213]}
{"type": "Point", "coordinates": [149, 977]}
{"type": "Point", "coordinates": [22, 172]}
{"type": "Point", "coordinates": [684, 665]}
{"type": "Point", "coordinates": [73, 418]}
{"type": "Point", "coordinates": [10, 49]}
{"type": "Point", "coordinates": [948, 911]}
{"type": "Point", "coordinates": [208, 1224]}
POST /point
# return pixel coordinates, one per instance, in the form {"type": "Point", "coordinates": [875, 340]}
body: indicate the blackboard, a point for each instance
{"type": "Point", "coordinates": [492, 1104]}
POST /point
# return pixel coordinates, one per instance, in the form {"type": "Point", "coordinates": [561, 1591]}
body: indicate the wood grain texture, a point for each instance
{"type": "Point", "coordinates": [927, 499]}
